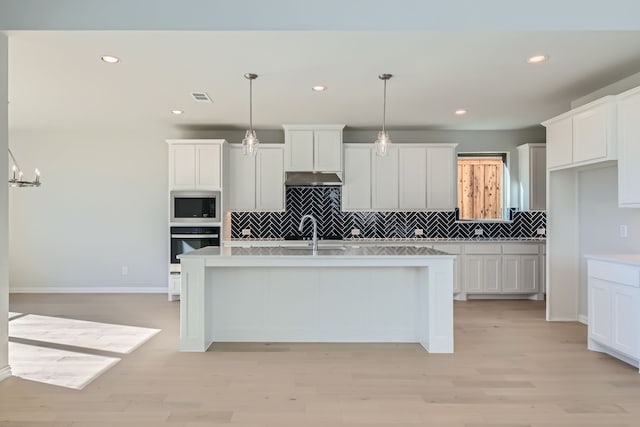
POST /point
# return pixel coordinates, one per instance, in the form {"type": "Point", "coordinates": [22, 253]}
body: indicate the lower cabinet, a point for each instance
{"type": "Point", "coordinates": [501, 269]}
{"type": "Point", "coordinates": [614, 309]}
{"type": "Point", "coordinates": [453, 249]}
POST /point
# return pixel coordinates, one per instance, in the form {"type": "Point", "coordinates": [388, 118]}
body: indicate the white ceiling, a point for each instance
{"type": "Point", "coordinates": [56, 79]}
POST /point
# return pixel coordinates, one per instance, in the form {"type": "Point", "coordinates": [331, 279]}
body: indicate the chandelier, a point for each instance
{"type": "Point", "coordinates": [16, 179]}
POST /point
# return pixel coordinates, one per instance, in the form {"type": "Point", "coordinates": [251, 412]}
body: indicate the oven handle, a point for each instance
{"type": "Point", "coordinates": [194, 236]}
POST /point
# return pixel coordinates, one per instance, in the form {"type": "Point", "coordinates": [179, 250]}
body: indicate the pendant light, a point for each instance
{"type": "Point", "coordinates": [383, 141]}
{"type": "Point", "coordinates": [17, 181]}
{"type": "Point", "coordinates": [250, 142]}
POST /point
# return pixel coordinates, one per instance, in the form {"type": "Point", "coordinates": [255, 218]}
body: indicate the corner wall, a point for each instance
{"type": "Point", "coordinates": [4, 210]}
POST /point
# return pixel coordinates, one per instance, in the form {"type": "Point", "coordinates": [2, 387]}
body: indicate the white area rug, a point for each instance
{"type": "Point", "coordinates": [56, 367]}
{"type": "Point", "coordinates": [80, 333]}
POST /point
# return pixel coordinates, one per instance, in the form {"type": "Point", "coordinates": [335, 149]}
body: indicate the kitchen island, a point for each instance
{"type": "Point", "coordinates": [279, 294]}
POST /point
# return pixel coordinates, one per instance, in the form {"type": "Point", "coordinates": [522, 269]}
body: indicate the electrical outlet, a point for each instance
{"type": "Point", "coordinates": [624, 231]}
{"type": "Point", "coordinates": [355, 231]}
{"type": "Point", "coordinates": [418, 232]}
{"type": "Point", "coordinates": [478, 231]}
{"type": "Point", "coordinates": [541, 231]}
{"type": "Point", "coordinates": [246, 232]}
{"type": "Point", "coordinates": [125, 270]}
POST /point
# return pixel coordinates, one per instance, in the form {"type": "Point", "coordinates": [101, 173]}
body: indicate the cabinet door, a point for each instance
{"type": "Point", "coordinates": [412, 168]}
{"type": "Point", "coordinates": [208, 168]}
{"type": "Point", "coordinates": [492, 276]}
{"type": "Point", "coordinates": [384, 195]}
{"type": "Point", "coordinates": [299, 150]}
{"type": "Point", "coordinates": [625, 301]}
{"type": "Point", "coordinates": [538, 178]}
{"type": "Point", "coordinates": [327, 150]}
{"type": "Point", "coordinates": [560, 143]}
{"type": "Point", "coordinates": [511, 273]}
{"type": "Point", "coordinates": [590, 134]}
{"type": "Point", "coordinates": [182, 168]}
{"type": "Point", "coordinates": [599, 310]}
{"type": "Point", "coordinates": [629, 149]}
{"type": "Point", "coordinates": [356, 190]}
{"type": "Point", "coordinates": [242, 180]}
{"type": "Point", "coordinates": [442, 178]}
{"type": "Point", "coordinates": [529, 280]}
{"type": "Point", "coordinates": [270, 179]}
{"type": "Point", "coordinates": [473, 273]}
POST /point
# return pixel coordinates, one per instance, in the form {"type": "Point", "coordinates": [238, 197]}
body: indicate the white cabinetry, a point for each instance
{"type": "Point", "coordinates": [532, 169]}
{"type": "Point", "coordinates": [614, 309]}
{"type": "Point", "coordinates": [313, 148]}
{"type": "Point", "coordinates": [453, 249]}
{"type": "Point", "coordinates": [409, 177]}
{"type": "Point", "coordinates": [255, 183]}
{"type": "Point", "coordinates": [384, 171]}
{"type": "Point", "coordinates": [195, 164]}
{"type": "Point", "coordinates": [442, 180]}
{"type": "Point", "coordinates": [501, 269]}
{"type": "Point", "coordinates": [582, 136]}
{"type": "Point", "coordinates": [629, 148]}
{"type": "Point", "coordinates": [412, 177]}
{"type": "Point", "coordinates": [356, 188]}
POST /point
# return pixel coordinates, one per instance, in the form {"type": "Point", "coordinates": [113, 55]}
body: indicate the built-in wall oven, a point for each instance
{"type": "Point", "coordinates": [195, 206]}
{"type": "Point", "coordinates": [187, 239]}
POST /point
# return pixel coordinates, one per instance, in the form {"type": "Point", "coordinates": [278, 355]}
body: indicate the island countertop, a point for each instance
{"type": "Point", "coordinates": [328, 256]}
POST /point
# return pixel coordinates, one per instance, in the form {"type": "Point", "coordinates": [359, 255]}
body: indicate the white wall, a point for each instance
{"type": "Point", "coordinates": [4, 230]}
{"type": "Point", "coordinates": [600, 218]}
{"type": "Point", "coordinates": [102, 205]}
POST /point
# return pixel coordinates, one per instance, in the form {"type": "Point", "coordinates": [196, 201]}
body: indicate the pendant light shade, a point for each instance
{"type": "Point", "coordinates": [16, 175]}
{"type": "Point", "coordinates": [383, 141]}
{"type": "Point", "coordinates": [250, 142]}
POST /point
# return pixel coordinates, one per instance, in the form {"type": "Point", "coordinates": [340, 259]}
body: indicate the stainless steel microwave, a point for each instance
{"type": "Point", "coordinates": [195, 206]}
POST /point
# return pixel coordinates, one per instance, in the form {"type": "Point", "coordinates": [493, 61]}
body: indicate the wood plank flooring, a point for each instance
{"type": "Point", "coordinates": [510, 369]}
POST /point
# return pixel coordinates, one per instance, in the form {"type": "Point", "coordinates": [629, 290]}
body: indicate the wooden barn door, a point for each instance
{"type": "Point", "coordinates": [480, 187]}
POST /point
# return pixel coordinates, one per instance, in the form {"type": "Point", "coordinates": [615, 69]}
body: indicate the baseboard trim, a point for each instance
{"type": "Point", "coordinates": [583, 319]}
{"type": "Point", "coordinates": [89, 290]}
{"type": "Point", "coordinates": [5, 372]}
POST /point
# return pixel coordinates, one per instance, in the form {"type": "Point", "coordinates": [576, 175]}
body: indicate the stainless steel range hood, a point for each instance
{"type": "Point", "coordinates": [312, 178]}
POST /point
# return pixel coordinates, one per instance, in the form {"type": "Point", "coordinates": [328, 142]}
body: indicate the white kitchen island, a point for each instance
{"type": "Point", "coordinates": [275, 294]}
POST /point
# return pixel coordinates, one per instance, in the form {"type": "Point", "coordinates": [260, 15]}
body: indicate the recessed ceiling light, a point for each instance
{"type": "Point", "coordinates": [319, 88]}
{"type": "Point", "coordinates": [177, 112]}
{"type": "Point", "coordinates": [537, 59]}
{"type": "Point", "coordinates": [461, 112]}
{"type": "Point", "coordinates": [110, 59]}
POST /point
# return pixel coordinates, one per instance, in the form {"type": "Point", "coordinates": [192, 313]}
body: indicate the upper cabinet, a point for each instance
{"type": "Point", "coordinates": [255, 182]}
{"type": "Point", "coordinates": [582, 136]}
{"type": "Point", "coordinates": [316, 148]}
{"type": "Point", "coordinates": [409, 177]}
{"type": "Point", "coordinates": [195, 164]}
{"type": "Point", "coordinates": [532, 169]}
{"type": "Point", "coordinates": [629, 148]}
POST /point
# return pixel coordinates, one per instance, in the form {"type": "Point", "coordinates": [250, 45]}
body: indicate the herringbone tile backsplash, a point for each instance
{"type": "Point", "coordinates": [324, 204]}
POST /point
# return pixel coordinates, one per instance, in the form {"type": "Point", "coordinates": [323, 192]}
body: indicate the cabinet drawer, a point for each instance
{"type": "Point", "coordinates": [622, 274]}
{"type": "Point", "coordinates": [520, 249]}
{"type": "Point", "coordinates": [482, 248]}
{"type": "Point", "coordinates": [451, 249]}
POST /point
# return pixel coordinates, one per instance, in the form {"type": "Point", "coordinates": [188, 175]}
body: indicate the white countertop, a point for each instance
{"type": "Point", "coordinates": [374, 242]}
{"type": "Point", "coordinates": [327, 256]}
{"type": "Point", "coordinates": [631, 259]}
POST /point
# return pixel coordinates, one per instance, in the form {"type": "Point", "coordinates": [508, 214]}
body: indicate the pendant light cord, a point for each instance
{"type": "Point", "coordinates": [251, 105]}
{"type": "Point", "coordinates": [384, 107]}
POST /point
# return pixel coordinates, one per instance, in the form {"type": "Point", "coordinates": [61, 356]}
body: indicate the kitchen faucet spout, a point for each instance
{"type": "Point", "coordinates": [314, 239]}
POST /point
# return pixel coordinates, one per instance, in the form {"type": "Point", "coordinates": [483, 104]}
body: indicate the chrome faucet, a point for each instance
{"type": "Point", "coordinates": [314, 241]}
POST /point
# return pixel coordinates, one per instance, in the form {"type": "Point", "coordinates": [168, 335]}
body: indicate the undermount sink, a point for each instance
{"type": "Point", "coordinates": [307, 250]}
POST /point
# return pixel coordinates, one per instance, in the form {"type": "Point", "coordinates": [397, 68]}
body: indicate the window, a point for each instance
{"type": "Point", "coordinates": [481, 180]}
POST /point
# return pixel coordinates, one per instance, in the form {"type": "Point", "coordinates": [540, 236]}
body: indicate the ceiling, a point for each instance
{"type": "Point", "coordinates": [57, 80]}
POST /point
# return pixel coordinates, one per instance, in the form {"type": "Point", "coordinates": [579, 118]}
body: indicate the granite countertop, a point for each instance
{"type": "Point", "coordinates": [305, 251]}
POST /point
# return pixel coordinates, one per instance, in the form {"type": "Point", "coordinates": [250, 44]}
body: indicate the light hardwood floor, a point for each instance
{"type": "Point", "coordinates": [510, 369]}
